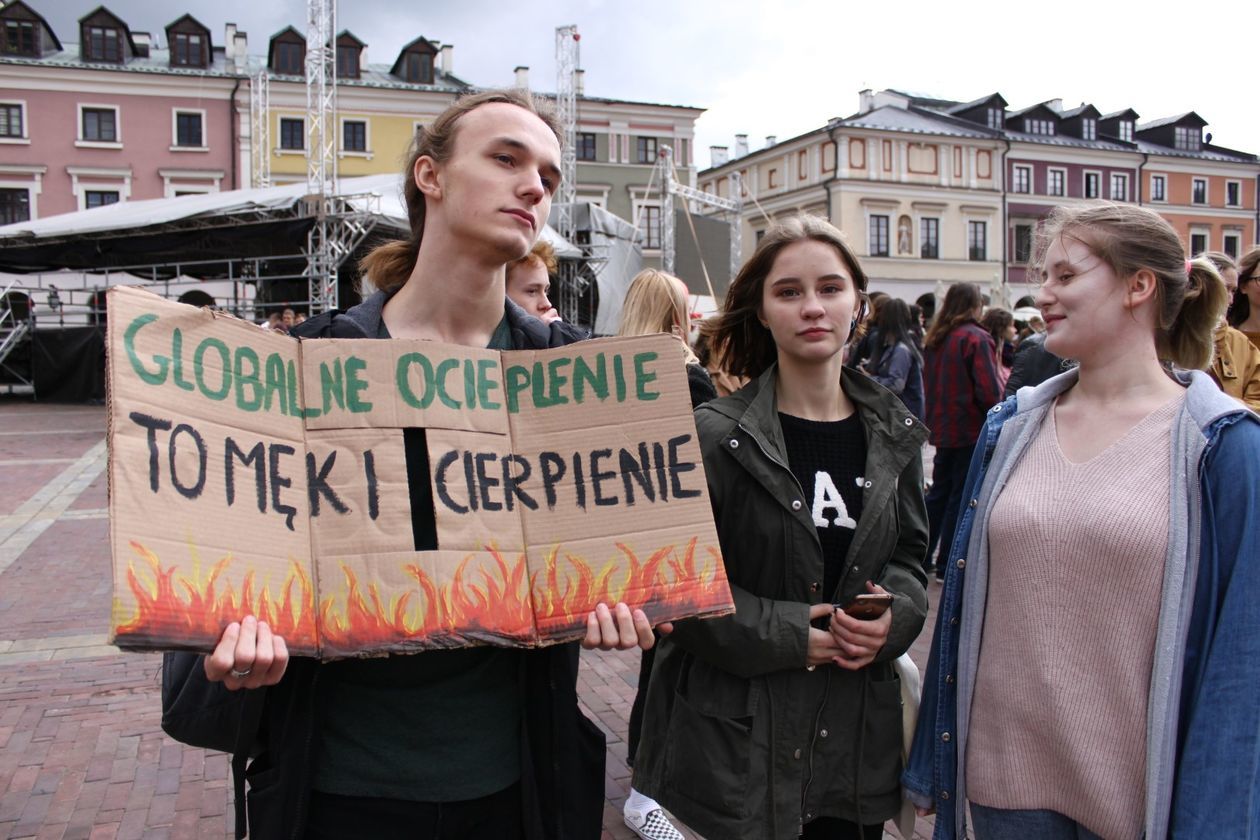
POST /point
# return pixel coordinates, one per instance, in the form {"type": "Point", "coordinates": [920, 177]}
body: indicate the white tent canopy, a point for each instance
{"type": "Point", "coordinates": [135, 215]}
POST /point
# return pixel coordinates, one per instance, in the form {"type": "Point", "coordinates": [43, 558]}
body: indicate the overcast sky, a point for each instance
{"type": "Point", "coordinates": [785, 68]}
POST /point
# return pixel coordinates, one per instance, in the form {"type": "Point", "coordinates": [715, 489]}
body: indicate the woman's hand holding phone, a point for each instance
{"type": "Point", "coordinates": [822, 646]}
{"type": "Point", "coordinates": [860, 640]}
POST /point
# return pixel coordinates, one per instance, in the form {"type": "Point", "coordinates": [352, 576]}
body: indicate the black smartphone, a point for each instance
{"type": "Point", "coordinates": [867, 606]}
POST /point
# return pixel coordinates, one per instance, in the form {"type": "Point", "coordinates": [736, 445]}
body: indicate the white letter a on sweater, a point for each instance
{"type": "Point", "coordinates": [827, 496]}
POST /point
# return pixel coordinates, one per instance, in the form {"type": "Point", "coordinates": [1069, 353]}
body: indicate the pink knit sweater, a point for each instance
{"type": "Point", "coordinates": [1077, 553]}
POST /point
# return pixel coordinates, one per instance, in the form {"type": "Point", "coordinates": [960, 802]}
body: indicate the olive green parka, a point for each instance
{"type": "Point", "coordinates": [741, 739]}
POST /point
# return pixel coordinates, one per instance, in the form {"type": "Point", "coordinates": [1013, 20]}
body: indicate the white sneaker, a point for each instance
{"type": "Point", "coordinates": [652, 824]}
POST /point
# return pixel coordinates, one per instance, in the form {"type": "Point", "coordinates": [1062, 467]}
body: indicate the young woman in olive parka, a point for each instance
{"type": "Point", "coordinates": [784, 719]}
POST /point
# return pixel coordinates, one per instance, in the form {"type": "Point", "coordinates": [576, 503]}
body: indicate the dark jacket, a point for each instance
{"type": "Point", "coordinates": [899, 368]}
{"type": "Point", "coordinates": [1034, 364]}
{"type": "Point", "coordinates": [741, 740]}
{"type": "Point", "coordinates": [562, 753]}
{"type": "Point", "coordinates": [700, 385]}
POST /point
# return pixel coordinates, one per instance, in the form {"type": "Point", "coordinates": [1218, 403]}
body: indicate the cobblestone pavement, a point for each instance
{"type": "Point", "coordinates": [81, 751]}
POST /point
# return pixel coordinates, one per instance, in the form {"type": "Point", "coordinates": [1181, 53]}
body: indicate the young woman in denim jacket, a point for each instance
{"type": "Point", "coordinates": [1119, 296]}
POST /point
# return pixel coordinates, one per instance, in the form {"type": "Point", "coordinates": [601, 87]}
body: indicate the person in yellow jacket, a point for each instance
{"type": "Point", "coordinates": [1235, 360]}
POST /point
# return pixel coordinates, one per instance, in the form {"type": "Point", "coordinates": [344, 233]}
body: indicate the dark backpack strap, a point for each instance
{"type": "Point", "coordinates": [238, 794]}
{"type": "Point", "coordinates": [251, 719]}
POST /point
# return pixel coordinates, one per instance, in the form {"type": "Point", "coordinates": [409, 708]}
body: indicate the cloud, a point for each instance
{"type": "Point", "coordinates": [785, 68]}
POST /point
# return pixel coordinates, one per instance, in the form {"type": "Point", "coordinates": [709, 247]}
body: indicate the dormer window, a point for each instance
{"type": "Point", "coordinates": [19, 38]}
{"type": "Point", "coordinates": [1038, 127]}
{"type": "Point", "coordinates": [1089, 129]}
{"type": "Point", "coordinates": [995, 118]}
{"type": "Point", "coordinates": [1126, 131]}
{"type": "Point", "coordinates": [289, 59]}
{"type": "Point", "coordinates": [418, 68]}
{"type": "Point", "coordinates": [186, 50]}
{"type": "Point", "coordinates": [347, 62]}
{"type": "Point", "coordinates": [1187, 139]}
{"type": "Point", "coordinates": [104, 43]}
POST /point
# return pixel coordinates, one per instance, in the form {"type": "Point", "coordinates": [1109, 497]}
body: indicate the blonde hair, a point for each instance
{"type": "Point", "coordinates": [541, 254]}
{"type": "Point", "coordinates": [740, 344]}
{"type": "Point", "coordinates": [1190, 295]}
{"type": "Point", "coordinates": [389, 265]}
{"type": "Point", "coordinates": [655, 303]}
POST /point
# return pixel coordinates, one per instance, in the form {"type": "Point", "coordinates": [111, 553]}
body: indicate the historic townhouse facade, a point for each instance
{"type": "Point", "coordinates": [380, 106]}
{"type": "Point", "coordinates": [934, 190]}
{"type": "Point", "coordinates": [114, 118]}
{"type": "Point", "coordinates": [1207, 192]}
{"type": "Point", "coordinates": [618, 144]}
{"type": "Point", "coordinates": [1058, 157]}
{"type": "Point", "coordinates": [917, 193]}
{"type": "Point", "coordinates": [77, 120]}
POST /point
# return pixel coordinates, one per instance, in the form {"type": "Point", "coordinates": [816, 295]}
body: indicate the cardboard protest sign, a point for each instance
{"type": "Point", "coordinates": [252, 473]}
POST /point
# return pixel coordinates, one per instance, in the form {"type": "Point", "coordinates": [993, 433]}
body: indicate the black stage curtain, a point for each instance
{"type": "Point", "coordinates": [69, 364]}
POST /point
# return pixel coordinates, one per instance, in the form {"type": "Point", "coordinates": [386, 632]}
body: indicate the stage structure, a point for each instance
{"type": "Point", "coordinates": [573, 283]}
{"type": "Point", "coordinates": [673, 187]}
{"type": "Point", "coordinates": [242, 251]}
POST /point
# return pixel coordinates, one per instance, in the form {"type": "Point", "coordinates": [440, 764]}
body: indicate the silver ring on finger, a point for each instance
{"type": "Point", "coordinates": [240, 675]}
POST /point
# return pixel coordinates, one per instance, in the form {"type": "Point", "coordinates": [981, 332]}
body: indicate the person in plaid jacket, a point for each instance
{"type": "Point", "coordinates": [961, 383]}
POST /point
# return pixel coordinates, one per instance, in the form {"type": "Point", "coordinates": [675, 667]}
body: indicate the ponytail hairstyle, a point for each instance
{"type": "Point", "coordinates": [1248, 266]}
{"type": "Point", "coordinates": [740, 344]}
{"type": "Point", "coordinates": [1190, 296]}
{"type": "Point", "coordinates": [961, 302]}
{"type": "Point", "coordinates": [389, 265]}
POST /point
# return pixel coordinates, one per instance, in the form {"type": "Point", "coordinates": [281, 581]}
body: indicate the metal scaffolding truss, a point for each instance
{"type": "Point", "coordinates": [333, 228]}
{"type": "Point", "coordinates": [321, 97]}
{"type": "Point", "coordinates": [259, 130]}
{"type": "Point", "coordinates": [673, 187]}
{"type": "Point", "coordinates": [340, 227]}
{"type": "Point", "coordinates": [570, 284]}
{"type": "Point", "coordinates": [567, 61]}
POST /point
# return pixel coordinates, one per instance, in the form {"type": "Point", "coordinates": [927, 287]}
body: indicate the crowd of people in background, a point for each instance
{"type": "Point", "coordinates": [1089, 518]}
{"type": "Point", "coordinates": [283, 320]}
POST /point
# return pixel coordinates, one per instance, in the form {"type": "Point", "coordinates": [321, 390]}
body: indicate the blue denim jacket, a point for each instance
{"type": "Point", "coordinates": [1203, 717]}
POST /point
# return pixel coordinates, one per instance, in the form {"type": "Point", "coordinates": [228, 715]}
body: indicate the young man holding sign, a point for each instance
{"type": "Point", "coordinates": [474, 742]}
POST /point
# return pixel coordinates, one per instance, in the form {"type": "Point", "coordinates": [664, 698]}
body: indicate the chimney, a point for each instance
{"type": "Point", "coordinates": [579, 81]}
{"type": "Point", "coordinates": [142, 41]}
{"type": "Point", "coordinates": [771, 140]}
{"type": "Point", "coordinates": [229, 42]}
{"type": "Point", "coordinates": [522, 78]}
{"type": "Point", "coordinates": [448, 58]}
{"type": "Point", "coordinates": [718, 155]}
{"type": "Point", "coordinates": [242, 48]}
{"type": "Point", "coordinates": [741, 145]}
{"type": "Point", "coordinates": [866, 101]}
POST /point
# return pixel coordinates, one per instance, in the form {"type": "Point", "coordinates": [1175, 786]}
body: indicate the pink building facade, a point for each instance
{"type": "Point", "coordinates": [113, 118]}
